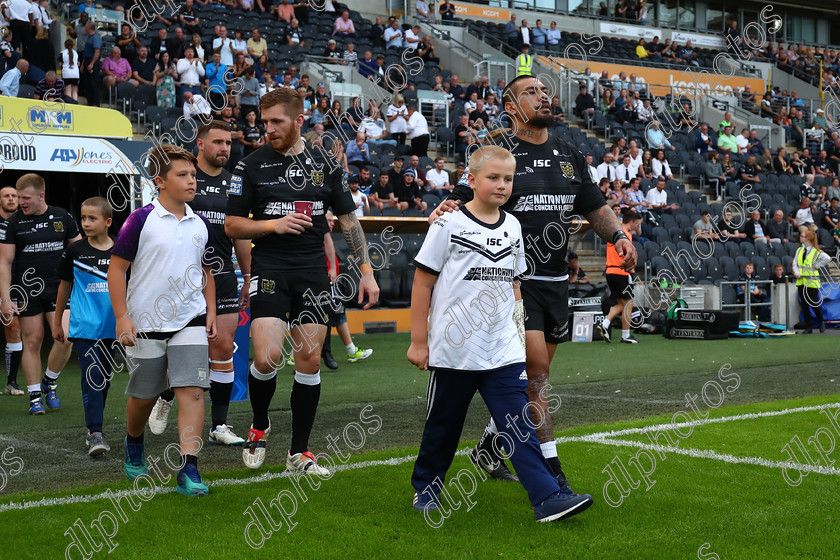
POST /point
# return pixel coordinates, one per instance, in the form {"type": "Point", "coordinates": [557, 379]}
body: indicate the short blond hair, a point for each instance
{"type": "Point", "coordinates": [480, 157]}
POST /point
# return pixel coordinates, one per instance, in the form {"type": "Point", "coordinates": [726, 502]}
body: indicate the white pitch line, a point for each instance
{"type": "Point", "coordinates": [664, 427]}
{"type": "Point", "coordinates": [711, 454]}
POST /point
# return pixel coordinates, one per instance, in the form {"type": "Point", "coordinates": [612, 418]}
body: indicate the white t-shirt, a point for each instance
{"type": "Point", "coordinates": [742, 143]}
{"type": "Point", "coordinates": [359, 199]}
{"type": "Point", "coordinates": [226, 50]}
{"type": "Point", "coordinates": [417, 125]}
{"type": "Point", "coordinates": [471, 323]}
{"type": "Point", "coordinates": [437, 180]}
{"type": "Point", "coordinates": [660, 168]}
{"type": "Point", "coordinates": [399, 124]}
{"type": "Point", "coordinates": [371, 127]}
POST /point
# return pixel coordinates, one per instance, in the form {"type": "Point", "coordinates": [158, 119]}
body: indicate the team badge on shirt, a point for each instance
{"type": "Point", "coordinates": [59, 226]}
{"type": "Point", "coordinates": [568, 170]}
{"type": "Point", "coordinates": [317, 178]}
{"type": "Point", "coordinates": [267, 286]}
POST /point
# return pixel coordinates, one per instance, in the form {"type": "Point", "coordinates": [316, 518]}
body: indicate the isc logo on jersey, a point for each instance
{"type": "Point", "coordinates": [235, 185]}
{"type": "Point", "coordinates": [214, 190]}
{"type": "Point", "coordinates": [542, 163]}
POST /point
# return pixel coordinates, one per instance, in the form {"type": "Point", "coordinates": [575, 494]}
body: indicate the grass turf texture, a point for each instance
{"type": "Point", "coordinates": [742, 511]}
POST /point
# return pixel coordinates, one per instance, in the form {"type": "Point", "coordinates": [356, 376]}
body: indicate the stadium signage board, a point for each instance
{"type": "Point", "coordinates": [466, 10]}
{"type": "Point", "coordinates": [42, 152]}
{"type": "Point", "coordinates": [29, 116]}
{"type": "Point", "coordinates": [639, 31]}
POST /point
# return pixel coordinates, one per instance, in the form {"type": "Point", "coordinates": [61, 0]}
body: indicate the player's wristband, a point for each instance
{"type": "Point", "coordinates": [618, 236]}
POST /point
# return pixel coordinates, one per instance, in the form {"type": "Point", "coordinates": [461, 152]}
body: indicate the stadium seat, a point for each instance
{"type": "Point", "coordinates": [729, 295]}
{"type": "Point", "coordinates": [391, 211]}
{"type": "Point", "coordinates": [389, 289]}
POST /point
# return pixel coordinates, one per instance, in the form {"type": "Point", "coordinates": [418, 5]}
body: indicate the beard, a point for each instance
{"type": "Point", "coordinates": [543, 121]}
{"type": "Point", "coordinates": [285, 142]}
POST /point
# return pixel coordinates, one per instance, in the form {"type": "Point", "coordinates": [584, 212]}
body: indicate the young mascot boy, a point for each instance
{"type": "Point", "coordinates": [473, 259]}
{"type": "Point", "coordinates": [167, 312]}
{"type": "Point", "coordinates": [84, 270]}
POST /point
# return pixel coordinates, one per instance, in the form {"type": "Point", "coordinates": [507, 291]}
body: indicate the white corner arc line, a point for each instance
{"type": "Point", "coordinates": [711, 454]}
{"type": "Point", "coordinates": [661, 427]}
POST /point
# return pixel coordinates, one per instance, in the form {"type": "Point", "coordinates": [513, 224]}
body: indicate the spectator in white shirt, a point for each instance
{"type": "Point", "coordinates": [418, 132]}
{"type": "Point", "coordinates": [626, 171]}
{"type": "Point", "coordinates": [225, 46]}
{"type": "Point", "coordinates": [397, 114]}
{"type": "Point", "coordinates": [374, 129]}
{"type": "Point", "coordinates": [437, 179]}
{"type": "Point", "coordinates": [190, 71]}
{"type": "Point", "coordinates": [658, 199]}
{"type": "Point", "coordinates": [394, 36]}
{"type": "Point", "coordinates": [195, 105]}
{"type": "Point", "coordinates": [360, 199]}
{"type": "Point", "coordinates": [606, 170]}
{"type": "Point", "coordinates": [660, 166]}
{"type": "Point", "coordinates": [743, 140]}
{"type": "Point", "coordinates": [412, 38]}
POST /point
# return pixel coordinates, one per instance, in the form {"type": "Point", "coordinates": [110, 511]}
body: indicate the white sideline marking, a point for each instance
{"type": "Point", "coordinates": [665, 427]}
{"type": "Point", "coordinates": [600, 437]}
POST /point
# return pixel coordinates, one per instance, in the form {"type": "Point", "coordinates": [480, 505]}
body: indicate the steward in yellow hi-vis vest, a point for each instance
{"type": "Point", "coordinates": [524, 61]}
{"type": "Point", "coordinates": [806, 267]}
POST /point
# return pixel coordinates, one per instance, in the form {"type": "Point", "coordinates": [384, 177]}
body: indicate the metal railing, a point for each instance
{"type": "Point", "coordinates": [747, 305]}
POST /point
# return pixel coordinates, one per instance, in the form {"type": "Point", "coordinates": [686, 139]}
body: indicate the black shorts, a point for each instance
{"type": "Point", "coordinates": [547, 308]}
{"type": "Point", "coordinates": [337, 314]}
{"type": "Point", "coordinates": [620, 286]}
{"type": "Point", "coordinates": [37, 300]}
{"type": "Point", "coordinates": [297, 297]}
{"type": "Point", "coordinates": [227, 297]}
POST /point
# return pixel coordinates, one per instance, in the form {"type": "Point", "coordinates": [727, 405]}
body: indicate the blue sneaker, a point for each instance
{"type": "Point", "coordinates": [190, 483]}
{"type": "Point", "coordinates": [135, 462]}
{"type": "Point", "coordinates": [48, 389]}
{"type": "Point", "coordinates": [36, 408]}
{"type": "Point", "coordinates": [425, 501]}
{"type": "Point", "coordinates": [561, 505]}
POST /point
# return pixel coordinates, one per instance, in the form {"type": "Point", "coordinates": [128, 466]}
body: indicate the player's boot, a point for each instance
{"type": "Point", "coordinates": [629, 340]}
{"type": "Point", "coordinates": [360, 354]}
{"type": "Point", "coordinates": [223, 435]}
{"type": "Point", "coordinates": [13, 389]}
{"type": "Point", "coordinates": [561, 477]}
{"type": "Point", "coordinates": [605, 332]}
{"type": "Point", "coordinates": [135, 463]}
{"type": "Point", "coordinates": [190, 483]}
{"type": "Point", "coordinates": [35, 407]}
{"type": "Point", "coordinates": [560, 506]}
{"type": "Point", "coordinates": [329, 361]}
{"type": "Point", "coordinates": [48, 387]}
{"type": "Point", "coordinates": [291, 360]}
{"type": "Point", "coordinates": [305, 463]}
{"type": "Point", "coordinates": [486, 458]}
{"type": "Point", "coordinates": [159, 417]}
{"type": "Point", "coordinates": [96, 444]}
{"type": "Point", "coordinates": [425, 501]}
{"type": "Point", "coordinates": [253, 453]}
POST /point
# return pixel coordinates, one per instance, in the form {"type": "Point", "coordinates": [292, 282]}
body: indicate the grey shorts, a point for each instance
{"type": "Point", "coordinates": [178, 361]}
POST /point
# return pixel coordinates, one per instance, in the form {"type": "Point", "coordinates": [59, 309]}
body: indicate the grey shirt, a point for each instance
{"type": "Point", "coordinates": [252, 85]}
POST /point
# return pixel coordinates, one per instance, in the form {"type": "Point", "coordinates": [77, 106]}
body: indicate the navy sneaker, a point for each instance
{"type": "Point", "coordinates": [190, 483]}
{"type": "Point", "coordinates": [48, 388]}
{"type": "Point", "coordinates": [425, 501]}
{"type": "Point", "coordinates": [135, 463]}
{"type": "Point", "coordinates": [36, 408]}
{"type": "Point", "coordinates": [561, 505]}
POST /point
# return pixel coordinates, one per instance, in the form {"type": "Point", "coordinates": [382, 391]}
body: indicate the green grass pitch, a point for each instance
{"type": "Point", "coordinates": [691, 449]}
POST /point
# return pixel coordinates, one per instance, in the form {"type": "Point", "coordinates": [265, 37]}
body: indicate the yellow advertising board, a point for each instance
{"type": "Point", "coordinates": [488, 12]}
{"type": "Point", "coordinates": [685, 82]}
{"type": "Point", "coordinates": [30, 116]}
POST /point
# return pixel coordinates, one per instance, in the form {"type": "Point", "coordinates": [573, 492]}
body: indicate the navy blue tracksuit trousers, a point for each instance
{"type": "Point", "coordinates": [503, 390]}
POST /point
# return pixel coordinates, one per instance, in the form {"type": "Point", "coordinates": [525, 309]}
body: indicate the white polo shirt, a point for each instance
{"type": "Point", "coordinates": [166, 276]}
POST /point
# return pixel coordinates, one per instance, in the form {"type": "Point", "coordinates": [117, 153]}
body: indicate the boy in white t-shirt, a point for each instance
{"type": "Point", "coordinates": [474, 339]}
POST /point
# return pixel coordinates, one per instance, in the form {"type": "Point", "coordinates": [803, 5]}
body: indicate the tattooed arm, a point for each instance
{"type": "Point", "coordinates": [605, 224]}
{"type": "Point", "coordinates": [355, 237]}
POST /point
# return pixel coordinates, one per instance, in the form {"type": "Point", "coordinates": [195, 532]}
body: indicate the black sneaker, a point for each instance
{"type": "Point", "coordinates": [565, 488]}
{"type": "Point", "coordinates": [822, 326]}
{"type": "Point", "coordinates": [487, 460]}
{"type": "Point", "coordinates": [629, 340]}
{"type": "Point", "coordinates": [329, 361]}
{"type": "Point", "coordinates": [605, 332]}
